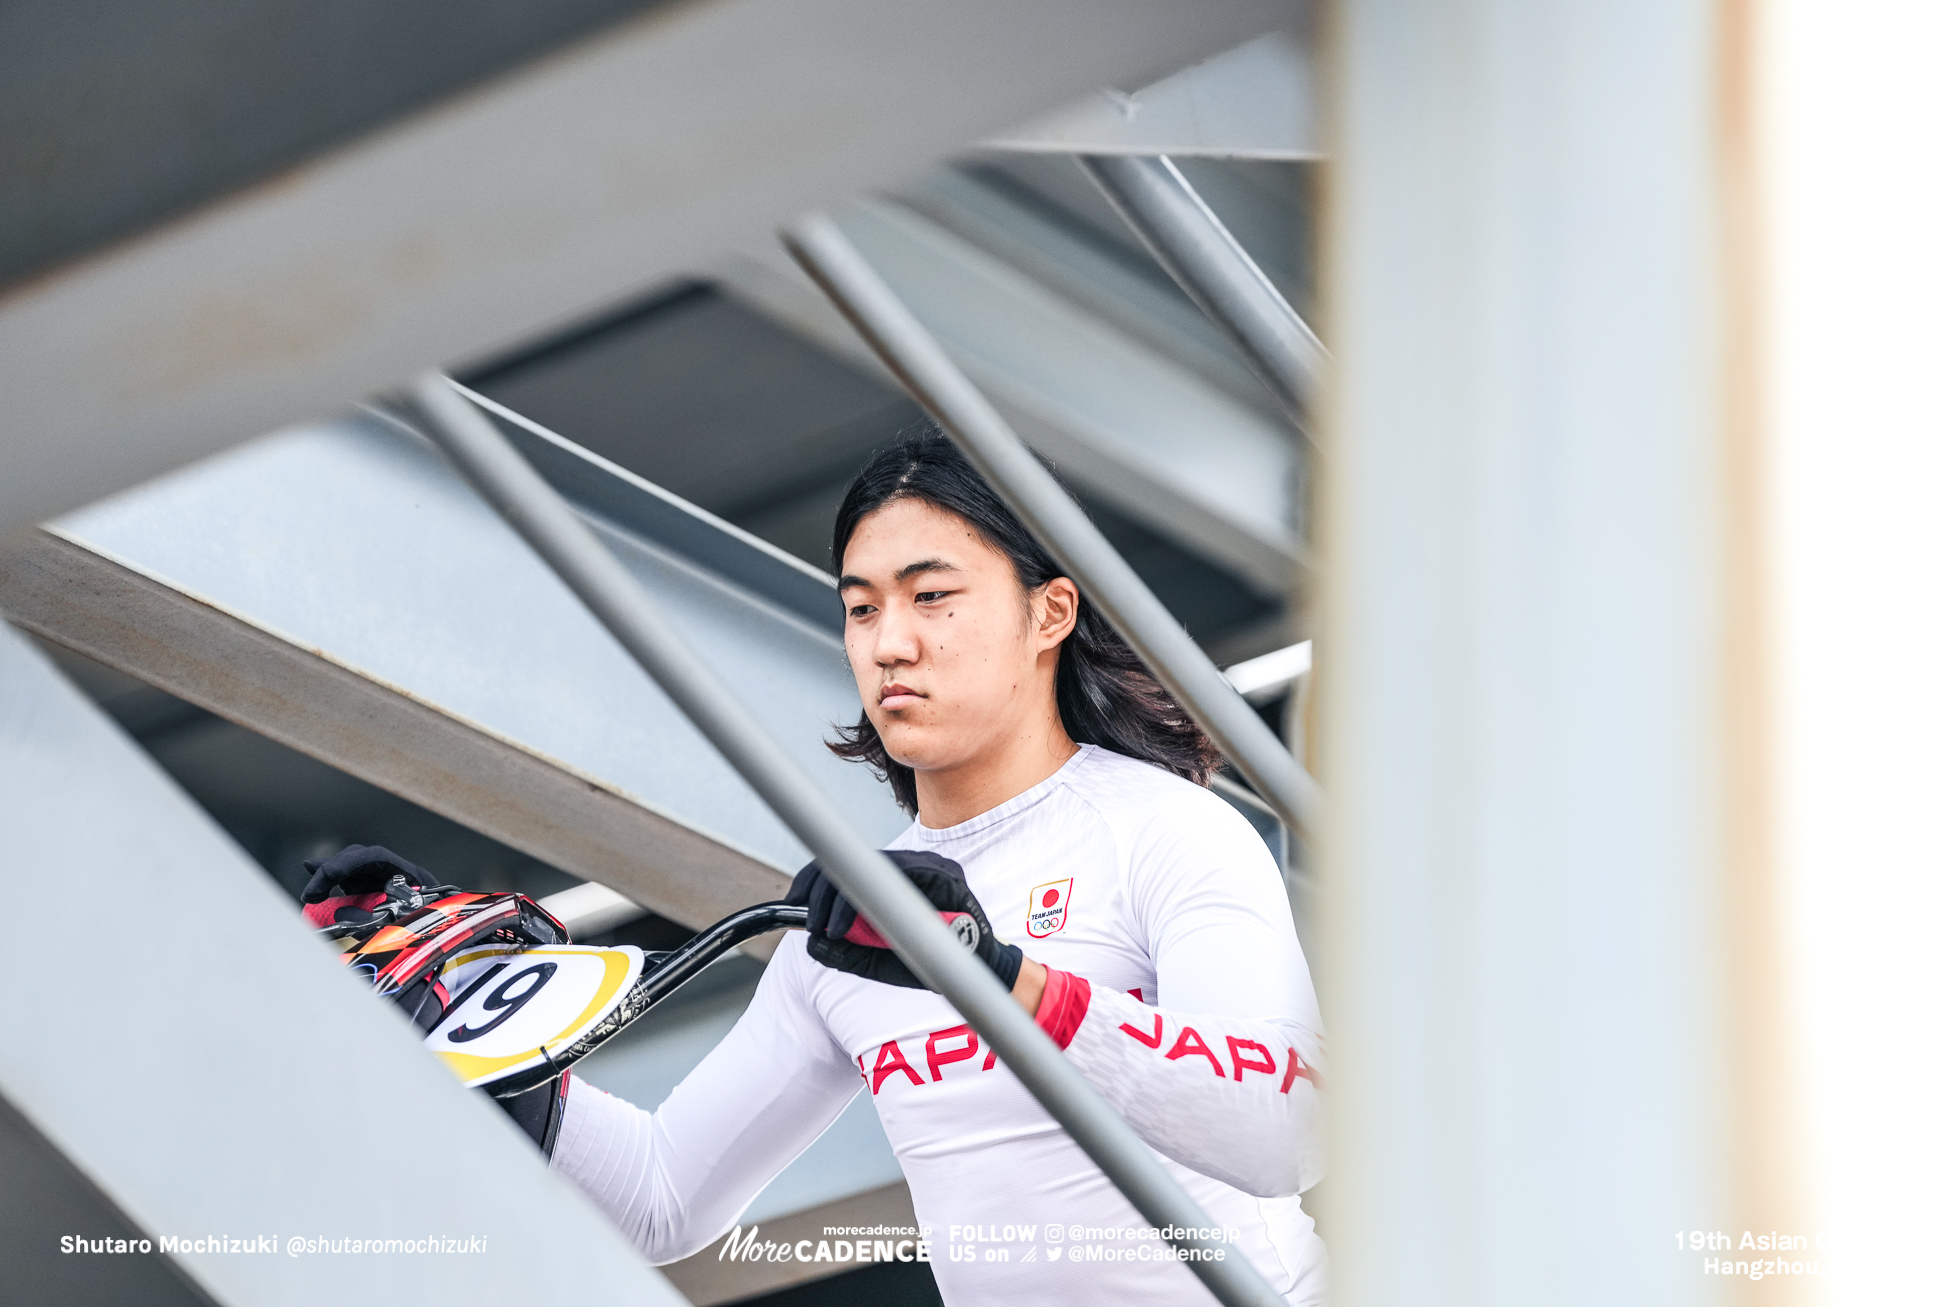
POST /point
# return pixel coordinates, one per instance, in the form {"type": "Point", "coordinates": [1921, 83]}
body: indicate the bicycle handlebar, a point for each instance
{"type": "Point", "coordinates": [665, 973]}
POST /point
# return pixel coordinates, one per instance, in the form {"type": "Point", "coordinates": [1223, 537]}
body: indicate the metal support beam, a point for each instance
{"type": "Point", "coordinates": [1177, 226]}
{"type": "Point", "coordinates": [912, 354]}
{"type": "Point", "coordinates": [185, 1089]}
{"type": "Point", "coordinates": [1087, 271]}
{"type": "Point", "coordinates": [525, 203]}
{"type": "Point", "coordinates": [529, 503]}
{"type": "Point", "coordinates": [335, 596]}
{"type": "Point", "coordinates": [1258, 101]}
{"type": "Point", "coordinates": [1157, 438]}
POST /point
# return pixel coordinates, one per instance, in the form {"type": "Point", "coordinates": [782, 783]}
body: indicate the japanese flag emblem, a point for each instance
{"type": "Point", "coordinates": [1048, 907]}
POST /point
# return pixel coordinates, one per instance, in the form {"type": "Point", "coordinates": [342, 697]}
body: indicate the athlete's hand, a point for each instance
{"type": "Point", "coordinates": [359, 869]}
{"type": "Point", "coordinates": [840, 938]}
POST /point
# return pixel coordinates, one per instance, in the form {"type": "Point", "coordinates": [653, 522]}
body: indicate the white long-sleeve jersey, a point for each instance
{"type": "Point", "coordinates": [1176, 986]}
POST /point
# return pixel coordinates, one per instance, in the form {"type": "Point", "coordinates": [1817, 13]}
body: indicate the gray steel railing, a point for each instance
{"type": "Point", "coordinates": [878, 890]}
{"type": "Point", "coordinates": [912, 354]}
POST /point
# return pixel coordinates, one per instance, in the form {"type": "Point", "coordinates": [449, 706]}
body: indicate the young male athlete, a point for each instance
{"type": "Point", "coordinates": [1059, 796]}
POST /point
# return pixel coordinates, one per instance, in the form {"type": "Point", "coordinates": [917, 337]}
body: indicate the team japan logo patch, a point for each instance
{"type": "Point", "coordinates": [1048, 907]}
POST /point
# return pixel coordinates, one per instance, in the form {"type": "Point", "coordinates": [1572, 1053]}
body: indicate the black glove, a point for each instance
{"type": "Point", "coordinates": [360, 869]}
{"type": "Point", "coordinates": [539, 1112]}
{"type": "Point", "coordinates": [839, 939]}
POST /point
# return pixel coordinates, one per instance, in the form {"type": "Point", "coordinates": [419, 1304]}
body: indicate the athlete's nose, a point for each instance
{"type": "Point", "coordinates": [896, 641]}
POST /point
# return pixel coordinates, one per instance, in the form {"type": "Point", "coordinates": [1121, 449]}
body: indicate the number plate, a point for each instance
{"type": "Point", "coordinates": [510, 1003]}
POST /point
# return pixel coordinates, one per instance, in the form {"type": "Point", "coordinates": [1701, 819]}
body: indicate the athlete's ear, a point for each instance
{"type": "Point", "coordinates": [1055, 606]}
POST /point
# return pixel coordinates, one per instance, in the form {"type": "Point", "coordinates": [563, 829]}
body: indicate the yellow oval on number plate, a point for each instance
{"type": "Point", "coordinates": [510, 1003]}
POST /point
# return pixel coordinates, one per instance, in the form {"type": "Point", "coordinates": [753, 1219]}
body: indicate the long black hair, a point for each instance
{"type": "Point", "coordinates": [1106, 695]}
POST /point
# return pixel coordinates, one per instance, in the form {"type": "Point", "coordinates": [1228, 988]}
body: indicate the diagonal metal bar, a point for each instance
{"type": "Point", "coordinates": [121, 1079]}
{"type": "Point", "coordinates": [898, 910]}
{"type": "Point", "coordinates": [1201, 255]}
{"type": "Point", "coordinates": [912, 354]}
{"type": "Point", "coordinates": [361, 647]}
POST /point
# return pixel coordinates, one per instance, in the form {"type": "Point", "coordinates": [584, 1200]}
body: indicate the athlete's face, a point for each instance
{"type": "Point", "coordinates": [955, 662]}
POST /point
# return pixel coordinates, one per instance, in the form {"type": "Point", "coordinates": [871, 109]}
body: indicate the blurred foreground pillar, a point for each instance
{"type": "Point", "coordinates": [1530, 745]}
{"type": "Point", "coordinates": [1642, 560]}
